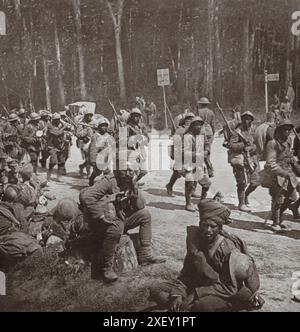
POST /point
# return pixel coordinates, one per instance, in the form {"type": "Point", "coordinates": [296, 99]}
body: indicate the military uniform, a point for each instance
{"type": "Point", "coordinates": [208, 117]}
{"type": "Point", "coordinates": [30, 141]}
{"type": "Point", "coordinates": [193, 167]}
{"type": "Point", "coordinates": [107, 225]}
{"type": "Point", "coordinates": [177, 142]}
{"type": "Point", "coordinates": [11, 138]}
{"type": "Point", "coordinates": [217, 276]}
{"type": "Point", "coordinates": [243, 159]}
{"type": "Point", "coordinates": [56, 147]}
{"type": "Point", "coordinates": [100, 144]}
{"type": "Point", "coordinates": [84, 135]}
{"type": "Point", "coordinates": [279, 170]}
{"type": "Point", "coordinates": [137, 139]}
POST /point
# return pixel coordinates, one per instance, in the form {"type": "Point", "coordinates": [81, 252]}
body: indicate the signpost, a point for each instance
{"type": "Point", "coordinates": [267, 78]}
{"type": "Point", "coordinates": [163, 79]}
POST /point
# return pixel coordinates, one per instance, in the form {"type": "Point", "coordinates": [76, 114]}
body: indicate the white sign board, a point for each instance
{"type": "Point", "coordinates": [2, 24]}
{"type": "Point", "coordinates": [163, 77]}
{"type": "Point", "coordinates": [273, 77]}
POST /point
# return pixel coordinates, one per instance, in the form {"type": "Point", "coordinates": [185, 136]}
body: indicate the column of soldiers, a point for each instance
{"type": "Point", "coordinates": [113, 204]}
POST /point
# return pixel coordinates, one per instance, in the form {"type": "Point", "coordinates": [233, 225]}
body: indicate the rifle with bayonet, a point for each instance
{"type": "Point", "coordinates": [249, 163]}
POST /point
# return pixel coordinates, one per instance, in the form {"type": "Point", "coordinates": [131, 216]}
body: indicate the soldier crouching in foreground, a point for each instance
{"type": "Point", "coordinates": [218, 274]}
{"type": "Point", "coordinates": [108, 219]}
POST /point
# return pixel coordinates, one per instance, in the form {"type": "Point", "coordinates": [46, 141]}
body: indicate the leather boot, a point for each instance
{"type": "Point", "coordinates": [276, 215]}
{"type": "Point", "coordinates": [49, 173]}
{"type": "Point", "coordinates": [108, 252]}
{"type": "Point", "coordinates": [171, 183]}
{"type": "Point", "coordinates": [146, 257]}
{"type": "Point", "coordinates": [286, 204]}
{"type": "Point", "coordinates": [242, 206]}
{"type": "Point", "coordinates": [295, 209]}
{"type": "Point", "coordinates": [249, 190]}
{"type": "Point", "coordinates": [59, 174]}
{"type": "Point", "coordinates": [189, 186]}
{"type": "Point", "coordinates": [204, 193]}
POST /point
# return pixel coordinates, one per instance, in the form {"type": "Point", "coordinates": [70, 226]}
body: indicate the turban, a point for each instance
{"type": "Point", "coordinates": [210, 209]}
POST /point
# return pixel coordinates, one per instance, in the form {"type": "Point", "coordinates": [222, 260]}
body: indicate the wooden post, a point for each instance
{"type": "Point", "coordinates": [266, 91]}
{"type": "Point", "coordinates": [165, 106]}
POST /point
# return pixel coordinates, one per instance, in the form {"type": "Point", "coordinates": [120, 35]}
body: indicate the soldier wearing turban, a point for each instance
{"type": "Point", "coordinates": [218, 274]}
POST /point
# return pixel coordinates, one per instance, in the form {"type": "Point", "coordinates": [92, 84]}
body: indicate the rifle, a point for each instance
{"type": "Point", "coordinates": [170, 115]}
{"type": "Point", "coordinates": [250, 164]}
{"type": "Point", "coordinates": [5, 109]}
{"type": "Point", "coordinates": [115, 113]}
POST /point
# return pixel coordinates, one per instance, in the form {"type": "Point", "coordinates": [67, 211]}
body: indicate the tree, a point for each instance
{"type": "Point", "coordinates": [116, 8]}
{"type": "Point", "coordinates": [77, 17]}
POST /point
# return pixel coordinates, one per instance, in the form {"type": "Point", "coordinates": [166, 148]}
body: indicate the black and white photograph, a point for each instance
{"type": "Point", "coordinates": [150, 157]}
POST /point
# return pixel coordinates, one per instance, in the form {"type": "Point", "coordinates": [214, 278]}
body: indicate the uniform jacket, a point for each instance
{"type": "Point", "coordinates": [280, 160]}
{"type": "Point", "coordinates": [208, 117]}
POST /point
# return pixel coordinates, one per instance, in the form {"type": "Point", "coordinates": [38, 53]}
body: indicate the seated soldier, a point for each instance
{"type": "Point", "coordinates": [9, 213]}
{"type": "Point", "coordinates": [108, 220]}
{"type": "Point", "coordinates": [218, 274]}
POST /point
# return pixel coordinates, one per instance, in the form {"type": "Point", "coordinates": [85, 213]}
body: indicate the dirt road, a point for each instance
{"type": "Point", "coordinates": [277, 256]}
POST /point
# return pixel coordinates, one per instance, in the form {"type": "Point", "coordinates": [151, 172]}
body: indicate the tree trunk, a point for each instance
{"type": "Point", "coordinates": [247, 76]}
{"type": "Point", "coordinates": [120, 67]}
{"type": "Point", "coordinates": [77, 13]}
{"type": "Point", "coordinates": [218, 55]}
{"type": "Point", "coordinates": [210, 50]}
{"type": "Point", "coordinates": [116, 15]}
{"type": "Point", "coordinates": [46, 74]}
{"type": "Point", "coordinates": [61, 88]}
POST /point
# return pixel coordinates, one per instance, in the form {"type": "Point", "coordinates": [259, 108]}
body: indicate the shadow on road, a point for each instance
{"type": "Point", "coordinates": [162, 192]}
{"type": "Point", "coordinates": [166, 206]}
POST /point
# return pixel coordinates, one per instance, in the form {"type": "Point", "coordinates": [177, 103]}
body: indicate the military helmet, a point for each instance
{"type": "Point", "coordinates": [204, 101]}
{"type": "Point", "coordinates": [248, 113]}
{"type": "Point", "coordinates": [197, 119]}
{"type": "Point", "coordinates": [34, 116]}
{"type": "Point", "coordinates": [12, 117]}
{"type": "Point", "coordinates": [103, 121]}
{"type": "Point", "coordinates": [21, 111]}
{"type": "Point", "coordinates": [88, 111]}
{"type": "Point", "coordinates": [284, 123]}
{"type": "Point", "coordinates": [135, 110]}
{"type": "Point", "coordinates": [188, 115]}
{"type": "Point", "coordinates": [56, 116]}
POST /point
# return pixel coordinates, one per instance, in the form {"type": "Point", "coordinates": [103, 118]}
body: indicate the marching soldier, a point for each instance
{"type": "Point", "coordinates": [208, 117]}
{"type": "Point", "coordinates": [65, 120]}
{"type": "Point", "coordinates": [279, 169]}
{"type": "Point", "coordinates": [195, 148]}
{"type": "Point", "coordinates": [243, 159]}
{"type": "Point", "coordinates": [30, 139]}
{"type": "Point", "coordinates": [11, 137]}
{"type": "Point", "coordinates": [56, 146]}
{"type": "Point", "coordinates": [44, 124]}
{"type": "Point", "coordinates": [22, 116]}
{"type": "Point", "coordinates": [137, 139]}
{"type": "Point", "coordinates": [84, 133]}
{"type": "Point", "coordinates": [100, 143]}
{"type": "Point", "coordinates": [180, 131]}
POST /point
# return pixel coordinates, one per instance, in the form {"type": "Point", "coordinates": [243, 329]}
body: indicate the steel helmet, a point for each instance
{"type": "Point", "coordinates": [204, 101]}
{"type": "Point", "coordinates": [12, 117]}
{"type": "Point", "coordinates": [34, 116]}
